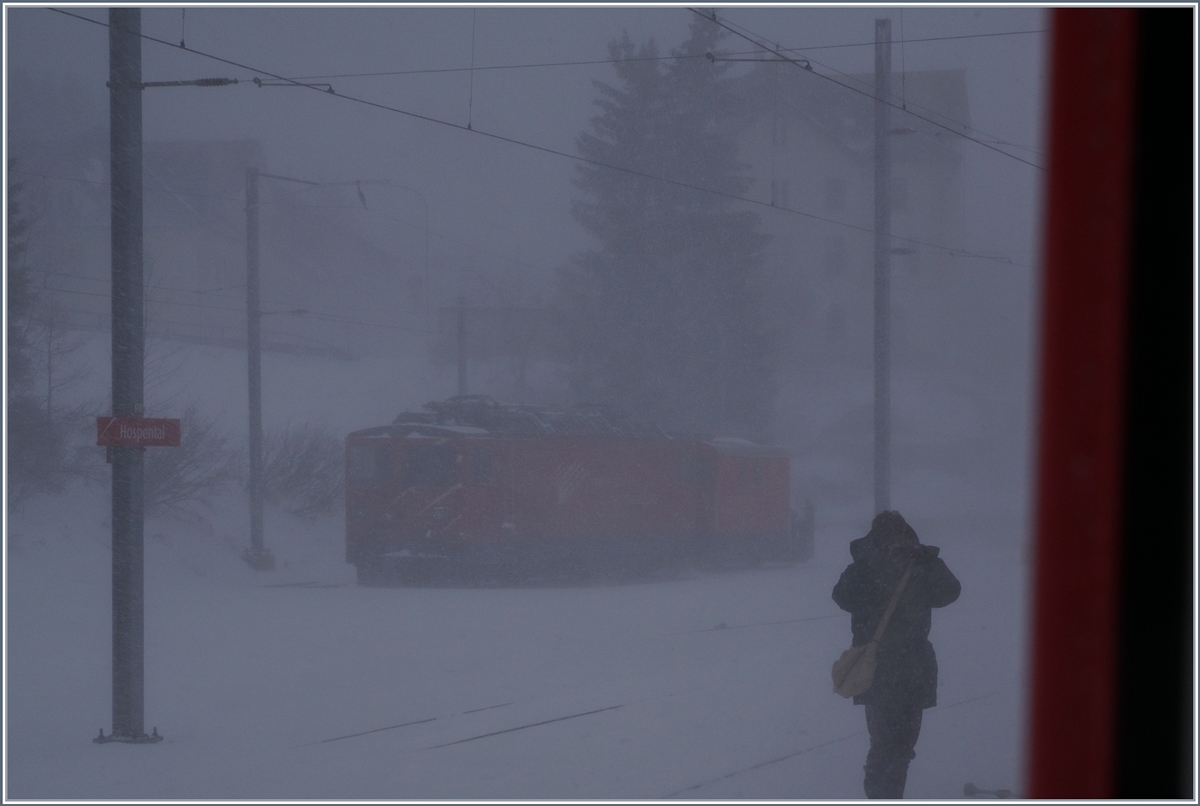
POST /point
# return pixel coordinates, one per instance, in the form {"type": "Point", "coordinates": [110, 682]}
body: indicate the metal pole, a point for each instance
{"type": "Point", "coordinates": [462, 345]}
{"type": "Point", "coordinates": [883, 227]}
{"type": "Point", "coordinates": [128, 357]}
{"type": "Point", "coordinates": [428, 288]}
{"type": "Point", "coordinates": [256, 556]}
{"type": "Point", "coordinates": [49, 353]}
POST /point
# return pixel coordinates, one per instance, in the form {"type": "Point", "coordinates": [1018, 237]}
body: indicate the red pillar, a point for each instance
{"type": "Point", "coordinates": [1080, 446]}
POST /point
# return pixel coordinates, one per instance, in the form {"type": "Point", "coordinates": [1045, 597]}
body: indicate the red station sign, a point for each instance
{"type": "Point", "coordinates": [137, 432]}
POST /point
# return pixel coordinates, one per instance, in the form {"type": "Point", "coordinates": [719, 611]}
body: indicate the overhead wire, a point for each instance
{"type": "Point", "coordinates": [747, 34]}
{"type": "Point", "coordinates": [211, 293]}
{"type": "Point", "coordinates": [178, 303]}
{"type": "Point", "coordinates": [81, 180]}
{"type": "Point", "coordinates": [154, 287]}
{"type": "Point", "coordinates": [443, 70]}
{"type": "Point", "coordinates": [441, 236]}
{"type": "Point", "coordinates": [905, 103]}
{"type": "Point", "coordinates": [592, 62]}
{"type": "Point", "coordinates": [754, 38]}
{"type": "Point", "coordinates": [902, 40]}
{"type": "Point", "coordinates": [597, 163]}
{"type": "Point", "coordinates": [680, 57]}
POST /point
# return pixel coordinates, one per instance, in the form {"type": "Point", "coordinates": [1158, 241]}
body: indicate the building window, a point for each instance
{"type": "Point", "coordinates": [835, 194]}
{"type": "Point", "coordinates": [835, 254]}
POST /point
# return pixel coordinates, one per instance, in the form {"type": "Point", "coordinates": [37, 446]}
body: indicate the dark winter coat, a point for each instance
{"type": "Point", "coordinates": [906, 668]}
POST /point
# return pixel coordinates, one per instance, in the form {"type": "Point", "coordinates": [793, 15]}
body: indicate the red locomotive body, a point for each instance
{"type": "Point", "coordinates": [473, 483]}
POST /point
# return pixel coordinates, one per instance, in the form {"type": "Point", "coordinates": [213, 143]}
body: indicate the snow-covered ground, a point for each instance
{"type": "Point", "coordinates": [293, 684]}
{"type": "Point", "coordinates": [297, 684]}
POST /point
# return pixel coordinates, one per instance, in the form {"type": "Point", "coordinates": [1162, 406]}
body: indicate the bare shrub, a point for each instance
{"type": "Point", "coordinates": [303, 470]}
{"type": "Point", "coordinates": [183, 482]}
{"type": "Point", "coordinates": [47, 453]}
{"type": "Point", "coordinates": [45, 443]}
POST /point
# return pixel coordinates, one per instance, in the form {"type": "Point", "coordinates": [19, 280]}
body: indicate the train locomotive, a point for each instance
{"type": "Point", "coordinates": [470, 484]}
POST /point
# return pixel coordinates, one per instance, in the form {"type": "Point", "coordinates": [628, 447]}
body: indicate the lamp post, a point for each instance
{"type": "Point", "coordinates": [258, 556]}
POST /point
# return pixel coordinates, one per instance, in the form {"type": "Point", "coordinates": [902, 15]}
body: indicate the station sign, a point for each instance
{"type": "Point", "coordinates": [137, 432]}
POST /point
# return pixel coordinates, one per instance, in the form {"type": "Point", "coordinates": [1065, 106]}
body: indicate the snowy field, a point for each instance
{"type": "Point", "coordinates": [297, 684]}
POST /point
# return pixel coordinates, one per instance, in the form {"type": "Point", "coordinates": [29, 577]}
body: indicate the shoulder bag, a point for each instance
{"type": "Point", "coordinates": [854, 671]}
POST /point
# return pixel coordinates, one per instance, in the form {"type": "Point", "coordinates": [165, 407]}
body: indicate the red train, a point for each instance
{"type": "Point", "coordinates": [469, 483]}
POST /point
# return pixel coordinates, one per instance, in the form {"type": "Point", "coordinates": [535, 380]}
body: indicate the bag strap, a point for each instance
{"type": "Point", "coordinates": [887, 614]}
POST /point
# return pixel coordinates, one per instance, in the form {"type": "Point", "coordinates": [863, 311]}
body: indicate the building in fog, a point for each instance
{"type": "Point", "coordinates": [810, 145]}
{"type": "Point", "coordinates": [337, 278]}
{"type": "Point", "coordinates": [959, 354]}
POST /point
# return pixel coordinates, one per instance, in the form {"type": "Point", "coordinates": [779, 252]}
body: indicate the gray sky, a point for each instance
{"type": "Point", "coordinates": [505, 198]}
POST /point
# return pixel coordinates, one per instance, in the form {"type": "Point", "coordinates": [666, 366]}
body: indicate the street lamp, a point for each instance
{"type": "Point", "coordinates": [258, 556]}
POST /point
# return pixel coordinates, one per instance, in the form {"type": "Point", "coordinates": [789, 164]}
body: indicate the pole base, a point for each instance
{"type": "Point", "coordinates": [262, 560]}
{"type": "Point", "coordinates": [143, 739]}
{"type": "Point", "coordinates": [970, 790]}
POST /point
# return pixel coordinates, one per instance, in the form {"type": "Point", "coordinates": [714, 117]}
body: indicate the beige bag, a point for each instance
{"type": "Point", "coordinates": [854, 671]}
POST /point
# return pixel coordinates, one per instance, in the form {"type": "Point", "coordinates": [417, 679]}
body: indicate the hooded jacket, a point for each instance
{"type": "Point", "coordinates": [906, 669]}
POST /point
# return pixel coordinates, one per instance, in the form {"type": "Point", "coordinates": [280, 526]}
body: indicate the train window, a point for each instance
{"type": "Point", "coordinates": [429, 465]}
{"type": "Point", "coordinates": [483, 465]}
{"type": "Point", "coordinates": [369, 464]}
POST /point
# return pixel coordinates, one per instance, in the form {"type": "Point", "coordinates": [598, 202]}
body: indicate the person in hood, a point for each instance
{"type": "Point", "coordinates": [905, 680]}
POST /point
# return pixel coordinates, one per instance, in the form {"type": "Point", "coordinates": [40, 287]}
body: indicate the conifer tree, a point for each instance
{"type": "Point", "coordinates": [665, 308]}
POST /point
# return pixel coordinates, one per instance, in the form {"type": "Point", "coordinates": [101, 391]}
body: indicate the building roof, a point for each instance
{"type": "Point", "coordinates": [482, 412]}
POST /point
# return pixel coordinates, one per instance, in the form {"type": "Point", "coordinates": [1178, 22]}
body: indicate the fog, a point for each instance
{"type": "Point", "coordinates": [684, 234]}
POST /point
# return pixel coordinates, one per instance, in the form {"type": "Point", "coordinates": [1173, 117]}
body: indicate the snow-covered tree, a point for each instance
{"type": "Point", "coordinates": [665, 308]}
